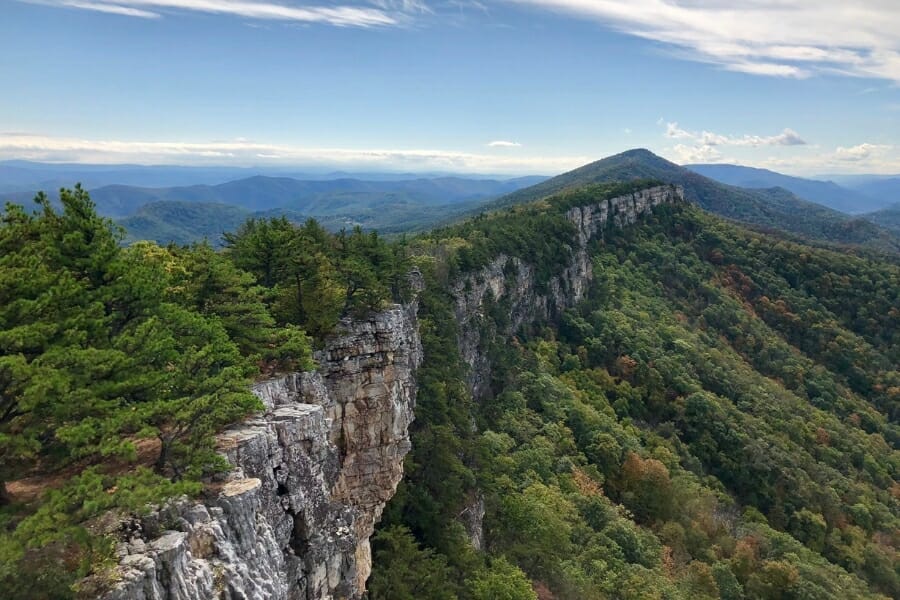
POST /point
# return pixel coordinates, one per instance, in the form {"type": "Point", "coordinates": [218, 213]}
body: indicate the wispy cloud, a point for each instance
{"type": "Point", "coordinates": [697, 154]}
{"type": "Point", "coordinates": [114, 9]}
{"type": "Point", "coordinates": [861, 158]}
{"type": "Point", "coordinates": [380, 13]}
{"type": "Point", "coordinates": [504, 144]}
{"type": "Point", "coordinates": [762, 37]}
{"type": "Point", "coordinates": [861, 152]}
{"type": "Point", "coordinates": [248, 153]}
{"type": "Point", "coordinates": [701, 146]}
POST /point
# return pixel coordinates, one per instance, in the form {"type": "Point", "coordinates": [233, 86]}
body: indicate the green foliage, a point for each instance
{"type": "Point", "coordinates": [716, 420]}
{"type": "Point", "coordinates": [313, 277]}
{"type": "Point", "coordinates": [540, 234]}
{"type": "Point", "coordinates": [501, 581]}
{"type": "Point", "coordinates": [105, 350]}
{"type": "Point", "coordinates": [408, 572]}
{"type": "Point", "coordinates": [774, 209]}
{"type": "Point", "coordinates": [168, 222]}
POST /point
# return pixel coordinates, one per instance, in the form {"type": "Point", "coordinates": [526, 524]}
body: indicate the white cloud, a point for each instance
{"type": "Point", "coordinates": [697, 154]}
{"type": "Point", "coordinates": [114, 9]}
{"type": "Point", "coordinates": [248, 153]}
{"type": "Point", "coordinates": [860, 151]}
{"type": "Point", "coordinates": [778, 38]}
{"type": "Point", "coordinates": [504, 144]}
{"type": "Point", "coordinates": [383, 13]}
{"type": "Point", "coordinates": [861, 158]}
{"type": "Point", "coordinates": [704, 141]}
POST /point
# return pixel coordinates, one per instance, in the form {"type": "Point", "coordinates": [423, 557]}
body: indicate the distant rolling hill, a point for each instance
{"type": "Point", "coordinates": [186, 222]}
{"type": "Point", "coordinates": [826, 193]}
{"type": "Point", "coordinates": [888, 217]}
{"type": "Point", "coordinates": [182, 222]}
{"type": "Point", "coordinates": [183, 214]}
{"type": "Point", "coordinates": [774, 208]}
{"type": "Point", "coordinates": [887, 188]}
{"type": "Point", "coordinates": [27, 176]}
{"type": "Point", "coordinates": [325, 197]}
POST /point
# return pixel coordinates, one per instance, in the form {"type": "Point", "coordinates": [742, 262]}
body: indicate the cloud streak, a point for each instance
{"type": "Point", "coordinates": [861, 152]}
{"type": "Point", "coordinates": [504, 144]}
{"type": "Point", "coordinates": [761, 37]}
{"type": "Point", "coordinates": [113, 9]}
{"type": "Point", "coordinates": [788, 137]}
{"type": "Point", "coordinates": [248, 153]}
{"type": "Point", "coordinates": [380, 14]}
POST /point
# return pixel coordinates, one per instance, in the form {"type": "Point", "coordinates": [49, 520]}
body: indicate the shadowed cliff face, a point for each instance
{"type": "Point", "coordinates": [311, 477]}
{"type": "Point", "coordinates": [514, 281]}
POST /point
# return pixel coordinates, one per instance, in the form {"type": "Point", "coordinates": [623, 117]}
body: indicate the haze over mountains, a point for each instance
{"type": "Point", "coordinates": [182, 214]}
{"type": "Point", "coordinates": [888, 217]}
{"type": "Point", "coordinates": [864, 196]}
{"type": "Point", "coordinates": [859, 212]}
{"type": "Point", "coordinates": [26, 176]}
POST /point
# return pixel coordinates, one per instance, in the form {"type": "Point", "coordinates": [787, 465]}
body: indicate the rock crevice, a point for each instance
{"type": "Point", "coordinates": [514, 281]}
{"type": "Point", "coordinates": [311, 476]}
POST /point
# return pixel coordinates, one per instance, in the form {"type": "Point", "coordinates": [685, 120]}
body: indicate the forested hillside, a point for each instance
{"type": "Point", "coordinates": [773, 208]}
{"type": "Point", "coordinates": [119, 365]}
{"type": "Point", "coordinates": [826, 193]}
{"type": "Point", "coordinates": [717, 419]}
{"type": "Point", "coordinates": [888, 217]}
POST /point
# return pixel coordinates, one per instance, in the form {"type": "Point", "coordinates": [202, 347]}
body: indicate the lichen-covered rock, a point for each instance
{"type": "Point", "coordinates": [512, 280]}
{"type": "Point", "coordinates": [311, 477]}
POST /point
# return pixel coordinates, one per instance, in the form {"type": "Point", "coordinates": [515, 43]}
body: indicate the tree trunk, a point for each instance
{"type": "Point", "coordinates": [163, 458]}
{"type": "Point", "coordinates": [4, 495]}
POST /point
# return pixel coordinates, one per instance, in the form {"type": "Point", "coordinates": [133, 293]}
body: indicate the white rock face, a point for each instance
{"type": "Point", "coordinates": [311, 478]}
{"type": "Point", "coordinates": [312, 473]}
{"type": "Point", "coordinates": [511, 279]}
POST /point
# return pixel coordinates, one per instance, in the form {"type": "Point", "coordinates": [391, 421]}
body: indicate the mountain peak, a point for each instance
{"type": "Point", "coordinates": [769, 208]}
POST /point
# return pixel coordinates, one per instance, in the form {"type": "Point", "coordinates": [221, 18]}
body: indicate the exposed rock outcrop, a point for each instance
{"type": "Point", "coordinates": [510, 279]}
{"type": "Point", "coordinates": [513, 281]}
{"type": "Point", "coordinates": [312, 475]}
{"type": "Point", "coordinates": [313, 472]}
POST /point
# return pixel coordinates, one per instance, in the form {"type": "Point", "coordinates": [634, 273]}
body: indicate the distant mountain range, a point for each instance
{"type": "Point", "coordinates": [183, 214]}
{"type": "Point", "coordinates": [186, 213]}
{"type": "Point", "coordinates": [880, 187]}
{"type": "Point", "coordinates": [887, 217]}
{"type": "Point", "coordinates": [28, 176]}
{"type": "Point", "coordinates": [316, 197]}
{"type": "Point", "coordinates": [867, 196]}
{"type": "Point", "coordinates": [772, 208]}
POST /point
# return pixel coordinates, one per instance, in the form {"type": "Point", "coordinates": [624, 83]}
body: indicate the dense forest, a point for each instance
{"type": "Point", "coordinates": [119, 365]}
{"type": "Point", "coordinates": [716, 419]}
{"type": "Point", "coordinates": [771, 209]}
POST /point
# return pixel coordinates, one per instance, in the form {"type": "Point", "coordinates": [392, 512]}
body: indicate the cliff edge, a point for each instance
{"type": "Point", "coordinates": [311, 477]}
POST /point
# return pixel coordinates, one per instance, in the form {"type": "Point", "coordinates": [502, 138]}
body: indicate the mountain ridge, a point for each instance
{"type": "Point", "coordinates": [772, 208]}
{"type": "Point", "coordinates": [826, 193]}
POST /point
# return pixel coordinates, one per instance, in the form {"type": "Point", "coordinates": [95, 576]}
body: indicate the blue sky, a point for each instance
{"type": "Point", "coordinates": [515, 86]}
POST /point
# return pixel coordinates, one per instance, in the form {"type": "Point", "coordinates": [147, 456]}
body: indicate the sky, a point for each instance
{"type": "Point", "coordinates": [504, 87]}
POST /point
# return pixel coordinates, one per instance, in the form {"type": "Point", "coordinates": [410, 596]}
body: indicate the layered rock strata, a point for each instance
{"type": "Point", "coordinates": [513, 281]}
{"type": "Point", "coordinates": [311, 477]}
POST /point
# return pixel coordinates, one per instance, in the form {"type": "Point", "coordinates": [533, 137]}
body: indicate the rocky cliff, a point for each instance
{"type": "Point", "coordinates": [312, 473]}
{"type": "Point", "coordinates": [511, 280]}
{"type": "Point", "coordinates": [311, 477]}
